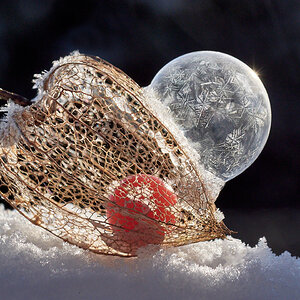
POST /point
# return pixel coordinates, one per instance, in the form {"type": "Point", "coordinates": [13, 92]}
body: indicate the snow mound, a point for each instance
{"type": "Point", "coordinates": [36, 265]}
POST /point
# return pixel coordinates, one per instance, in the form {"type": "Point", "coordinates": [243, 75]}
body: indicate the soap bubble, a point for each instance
{"type": "Point", "coordinates": [221, 106]}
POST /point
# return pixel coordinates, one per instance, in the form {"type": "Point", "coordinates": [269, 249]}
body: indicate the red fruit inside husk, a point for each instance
{"type": "Point", "coordinates": [138, 203]}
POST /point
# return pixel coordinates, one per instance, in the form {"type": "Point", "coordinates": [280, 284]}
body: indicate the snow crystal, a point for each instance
{"type": "Point", "coordinates": [36, 265]}
{"type": "Point", "coordinates": [40, 79]}
{"type": "Point", "coordinates": [219, 215]}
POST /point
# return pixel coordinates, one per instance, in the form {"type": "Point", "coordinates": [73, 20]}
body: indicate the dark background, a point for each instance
{"type": "Point", "coordinates": [140, 36]}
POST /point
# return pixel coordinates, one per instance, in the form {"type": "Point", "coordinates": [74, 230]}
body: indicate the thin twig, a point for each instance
{"type": "Point", "coordinates": [20, 100]}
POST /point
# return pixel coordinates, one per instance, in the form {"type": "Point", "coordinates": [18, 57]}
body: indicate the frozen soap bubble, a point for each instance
{"type": "Point", "coordinates": [221, 106]}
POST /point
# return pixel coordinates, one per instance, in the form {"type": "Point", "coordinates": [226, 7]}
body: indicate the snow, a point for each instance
{"type": "Point", "coordinates": [36, 265]}
{"type": "Point", "coordinates": [162, 113]}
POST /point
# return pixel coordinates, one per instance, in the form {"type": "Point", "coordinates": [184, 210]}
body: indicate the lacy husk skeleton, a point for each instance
{"type": "Point", "coordinates": [88, 151]}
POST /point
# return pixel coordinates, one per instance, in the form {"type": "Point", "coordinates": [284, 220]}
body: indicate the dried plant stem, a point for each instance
{"type": "Point", "coordinates": [18, 99]}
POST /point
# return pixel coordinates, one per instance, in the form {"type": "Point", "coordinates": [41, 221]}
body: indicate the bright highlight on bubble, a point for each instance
{"type": "Point", "coordinates": [221, 106]}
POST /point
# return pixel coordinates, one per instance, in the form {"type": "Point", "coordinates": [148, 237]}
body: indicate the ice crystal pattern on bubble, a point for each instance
{"type": "Point", "coordinates": [218, 107]}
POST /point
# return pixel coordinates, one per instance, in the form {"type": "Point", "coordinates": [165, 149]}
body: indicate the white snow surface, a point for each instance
{"type": "Point", "coordinates": [36, 265]}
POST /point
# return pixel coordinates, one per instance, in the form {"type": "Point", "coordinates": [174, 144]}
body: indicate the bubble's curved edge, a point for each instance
{"type": "Point", "coordinates": [204, 52]}
{"type": "Point", "coordinates": [269, 116]}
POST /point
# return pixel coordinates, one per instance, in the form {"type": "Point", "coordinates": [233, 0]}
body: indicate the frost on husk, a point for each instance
{"type": "Point", "coordinates": [92, 163]}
